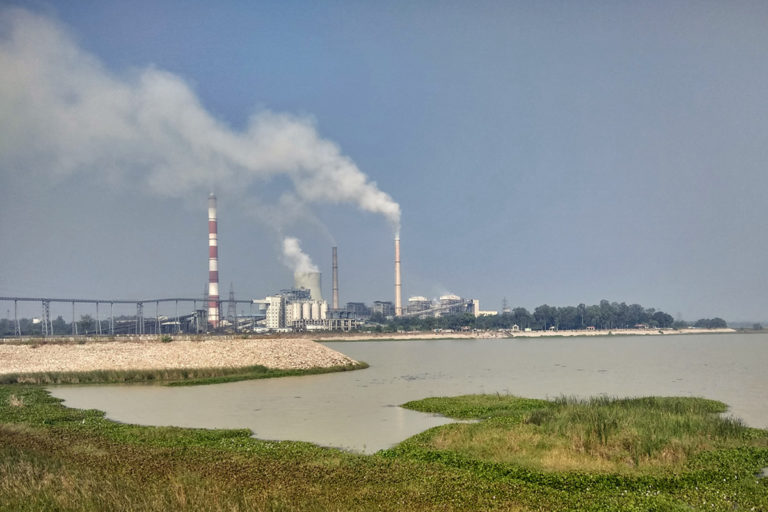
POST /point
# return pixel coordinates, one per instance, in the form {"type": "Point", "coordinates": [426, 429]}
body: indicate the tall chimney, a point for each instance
{"type": "Point", "coordinates": [213, 264]}
{"type": "Point", "coordinates": [398, 287]}
{"type": "Point", "coordinates": [335, 280]}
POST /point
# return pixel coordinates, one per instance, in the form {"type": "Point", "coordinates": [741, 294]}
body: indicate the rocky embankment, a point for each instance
{"type": "Point", "coordinates": [288, 354]}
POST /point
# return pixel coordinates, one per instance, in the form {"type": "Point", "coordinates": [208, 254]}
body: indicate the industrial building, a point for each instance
{"type": "Point", "coordinates": [358, 310]}
{"type": "Point", "coordinates": [385, 308]}
{"type": "Point", "coordinates": [302, 308]}
{"type": "Point", "coordinates": [418, 303]}
{"type": "Point", "coordinates": [450, 304]}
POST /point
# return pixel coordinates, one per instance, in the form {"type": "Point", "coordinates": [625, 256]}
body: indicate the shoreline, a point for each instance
{"type": "Point", "coordinates": [297, 351]}
{"type": "Point", "coordinates": [506, 334]}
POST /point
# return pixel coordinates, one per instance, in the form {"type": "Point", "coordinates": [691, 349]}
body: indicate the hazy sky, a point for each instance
{"type": "Point", "coordinates": [546, 152]}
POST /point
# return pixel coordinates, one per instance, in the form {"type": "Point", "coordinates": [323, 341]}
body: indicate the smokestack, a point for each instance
{"type": "Point", "coordinates": [398, 286]}
{"type": "Point", "coordinates": [213, 264]}
{"type": "Point", "coordinates": [335, 280]}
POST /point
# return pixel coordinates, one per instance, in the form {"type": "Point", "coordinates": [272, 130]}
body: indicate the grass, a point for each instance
{"type": "Point", "coordinates": [262, 372]}
{"type": "Point", "coordinates": [171, 377]}
{"type": "Point", "coordinates": [55, 458]}
{"type": "Point", "coordinates": [642, 436]}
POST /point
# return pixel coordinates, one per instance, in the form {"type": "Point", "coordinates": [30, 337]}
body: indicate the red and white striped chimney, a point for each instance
{"type": "Point", "coordinates": [213, 264]}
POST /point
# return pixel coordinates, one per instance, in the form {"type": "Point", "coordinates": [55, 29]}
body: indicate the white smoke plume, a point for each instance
{"type": "Point", "coordinates": [62, 112]}
{"type": "Point", "coordinates": [295, 258]}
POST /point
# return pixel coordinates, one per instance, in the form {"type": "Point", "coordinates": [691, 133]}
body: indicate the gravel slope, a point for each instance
{"type": "Point", "coordinates": [123, 355]}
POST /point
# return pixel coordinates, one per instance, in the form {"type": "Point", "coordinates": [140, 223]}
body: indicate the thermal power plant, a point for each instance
{"type": "Point", "coordinates": [335, 280]}
{"type": "Point", "coordinates": [213, 264]}
{"type": "Point", "coordinates": [294, 310]}
{"type": "Point", "coordinates": [398, 284]}
{"type": "Point", "coordinates": [309, 281]}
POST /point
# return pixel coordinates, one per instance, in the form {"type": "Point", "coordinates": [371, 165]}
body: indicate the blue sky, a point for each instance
{"type": "Point", "coordinates": [546, 152]}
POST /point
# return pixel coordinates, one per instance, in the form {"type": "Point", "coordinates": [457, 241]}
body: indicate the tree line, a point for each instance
{"type": "Point", "coordinates": [604, 316]}
{"type": "Point", "coordinates": [33, 327]}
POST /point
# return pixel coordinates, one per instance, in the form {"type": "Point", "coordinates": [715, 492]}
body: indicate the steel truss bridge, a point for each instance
{"type": "Point", "coordinates": [194, 321]}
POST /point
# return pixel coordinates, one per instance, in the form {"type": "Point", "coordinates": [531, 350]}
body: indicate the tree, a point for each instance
{"type": "Point", "coordinates": [717, 323]}
{"type": "Point", "coordinates": [85, 324]}
{"type": "Point", "coordinates": [568, 318]}
{"type": "Point", "coordinates": [521, 317]}
{"type": "Point", "coordinates": [582, 309]}
{"type": "Point", "coordinates": [545, 317]}
{"type": "Point", "coordinates": [606, 314]}
{"type": "Point", "coordinates": [60, 326]}
{"type": "Point", "coordinates": [711, 323]}
{"type": "Point", "coordinates": [592, 317]}
{"type": "Point", "coordinates": [662, 319]}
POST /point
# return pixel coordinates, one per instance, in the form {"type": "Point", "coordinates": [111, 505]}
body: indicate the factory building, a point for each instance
{"type": "Point", "coordinates": [447, 305]}
{"type": "Point", "coordinates": [358, 310]}
{"type": "Point", "coordinates": [275, 312]}
{"type": "Point", "coordinates": [385, 308]}
{"type": "Point", "coordinates": [418, 303]}
{"type": "Point", "coordinates": [296, 309]}
{"type": "Point", "coordinates": [293, 310]}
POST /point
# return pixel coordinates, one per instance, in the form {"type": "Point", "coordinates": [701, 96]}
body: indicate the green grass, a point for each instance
{"type": "Point", "coordinates": [55, 458]}
{"type": "Point", "coordinates": [171, 377]}
{"type": "Point", "coordinates": [641, 436]}
{"type": "Point", "coordinates": [261, 372]}
{"type": "Point", "coordinates": [478, 406]}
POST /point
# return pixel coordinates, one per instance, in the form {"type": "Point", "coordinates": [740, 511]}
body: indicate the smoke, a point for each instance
{"type": "Point", "coordinates": [295, 258]}
{"type": "Point", "coordinates": [62, 112]}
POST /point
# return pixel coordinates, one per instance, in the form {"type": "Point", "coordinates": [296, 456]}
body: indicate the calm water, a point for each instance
{"type": "Point", "coordinates": [359, 410]}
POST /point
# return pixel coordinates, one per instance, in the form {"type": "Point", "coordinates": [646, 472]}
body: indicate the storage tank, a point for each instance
{"type": "Point", "coordinates": [306, 311]}
{"type": "Point", "coordinates": [309, 281]}
{"type": "Point", "coordinates": [316, 310]}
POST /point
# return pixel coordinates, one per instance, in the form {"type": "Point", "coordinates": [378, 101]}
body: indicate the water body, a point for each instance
{"type": "Point", "coordinates": [359, 410]}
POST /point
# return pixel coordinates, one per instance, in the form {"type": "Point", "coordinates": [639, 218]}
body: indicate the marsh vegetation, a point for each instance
{"type": "Point", "coordinates": [519, 454]}
{"type": "Point", "coordinates": [169, 376]}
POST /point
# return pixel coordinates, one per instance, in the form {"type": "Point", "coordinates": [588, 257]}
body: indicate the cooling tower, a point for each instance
{"type": "Point", "coordinates": [398, 284]}
{"type": "Point", "coordinates": [335, 280]}
{"type": "Point", "coordinates": [213, 264]}
{"type": "Point", "coordinates": [309, 281]}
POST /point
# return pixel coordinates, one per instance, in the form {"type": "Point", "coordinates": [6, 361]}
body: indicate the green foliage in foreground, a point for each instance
{"type": "Point", "coordinates": [171, 376]}
{"type": "Point", "coordinates": [54, 458]}
{"type": "Point", "coordinates": [639, 436]}
{"type": "Point", "coordinates": [479, 406]}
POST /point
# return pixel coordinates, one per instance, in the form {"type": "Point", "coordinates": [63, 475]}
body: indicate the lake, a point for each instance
{"type": "Point", "coordinates": [360, 411]}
